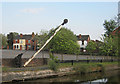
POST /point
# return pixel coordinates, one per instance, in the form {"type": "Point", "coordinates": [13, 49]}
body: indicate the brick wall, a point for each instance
{"type": "Point", "coordinates": [8, 62]}
{"type": "Point", "coordinates": [35, 61]}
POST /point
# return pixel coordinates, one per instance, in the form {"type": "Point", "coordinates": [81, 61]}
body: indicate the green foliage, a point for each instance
{"type": "Point", "coordinates": [52, 63]}
{"type": "Point", "coordinates": [41, 37]}
{"type": "Point", "coordinates": [5, 69]}
{"type": "Point", "coordinates": [99, 65]}
{"type": "Point", "coordinates": [64, 42]}
{"type": "Point", "coordinates": [3, 40]}
{"type": "Point", "coordinates": [110, 42]}
{"type": "Point", "coordinates": [109, 26]}
{"type": "Point", "coordinates": [82, 69]}
{"type": "Point", "coordinates": [102, 67]}
{"type": "Point", "coordinates": [53, 57]}
{"type": "Point", "coordinates": [10, 38]}
{"type": "Point", "coordinates": [91, 47]}
{"type": "Point", "coordinates": [110, 46]}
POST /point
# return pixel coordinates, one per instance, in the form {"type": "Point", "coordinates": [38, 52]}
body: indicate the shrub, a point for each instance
{"type": "Point", "coordinates": [102, 67]}
{"type": "Point", "coordinates": [81, 69]}
{"type": "Point", "coordinates": [99, 65]}
{"type": "Point", "coordinates": [53, 65]}
{"type": "Point", "coordinates": [53, 62]}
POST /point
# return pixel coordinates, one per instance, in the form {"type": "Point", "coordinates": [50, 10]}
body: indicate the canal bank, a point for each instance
{"type": "Point", "coordinates": [64, 69]}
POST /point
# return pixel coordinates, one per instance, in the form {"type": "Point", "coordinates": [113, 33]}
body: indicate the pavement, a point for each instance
{"type": "Point", "coordinates": [44, 54]}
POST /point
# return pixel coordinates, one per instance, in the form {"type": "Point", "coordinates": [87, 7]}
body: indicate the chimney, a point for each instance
{"type": "Point", "coordinates": [33, 34]}
{"type": "Point", "coordinates": [21, 35]}
{"type": "Point", "coordinates": [79, 35]}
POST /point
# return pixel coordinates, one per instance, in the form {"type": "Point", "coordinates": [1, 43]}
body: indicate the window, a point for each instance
{"type": "Point", "coordinates": [21, 41]}
{"type": "Point", "coordinates": [16, 41]}
{"type": "Point", "coordinates": [82, 42]}
{"type": "Point", "coordinates": [15, 46]}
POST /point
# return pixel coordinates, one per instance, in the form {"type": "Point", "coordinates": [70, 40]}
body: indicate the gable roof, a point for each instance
{"type": "Point", "coordinates": [116, 31]}
{"type": "Point", "coordinates": [28, 37]}
{"type": "Point", "coordinates": [83, 37]}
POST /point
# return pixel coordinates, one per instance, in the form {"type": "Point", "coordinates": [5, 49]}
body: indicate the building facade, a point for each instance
{"type": "Point", "coordinates": [25, 42]}
{"type": "Point", "coordinates": [83, 40]}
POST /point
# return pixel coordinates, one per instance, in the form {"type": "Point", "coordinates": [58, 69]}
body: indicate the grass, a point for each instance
{"type": "Point", "coordinates": [82, 67]}
{"type": "Point", "coordinates": [61, 65]}
{"type": "Point", "coordinates": [5, 69]}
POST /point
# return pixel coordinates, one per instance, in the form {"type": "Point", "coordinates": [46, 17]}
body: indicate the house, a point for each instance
{"type": "Point", "coordinates": [25, 42]}
{"type": "Point", "coordinates": [83, 41]}
{"type": "Point", "coordinates": [116, 31]}
{"type": "Point", "coordinates": [98, 45]}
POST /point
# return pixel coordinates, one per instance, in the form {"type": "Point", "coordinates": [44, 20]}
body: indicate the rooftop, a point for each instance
{"type": "Point", "coordinates": [83, 37]}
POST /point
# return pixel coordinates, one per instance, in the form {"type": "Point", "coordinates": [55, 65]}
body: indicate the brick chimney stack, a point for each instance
{"type": "Point", "coordinates": [79, 35]}
{"type": "Point", "coordinates": [33, 34]}
{"type": "Point", "coordinates": [21, 35]}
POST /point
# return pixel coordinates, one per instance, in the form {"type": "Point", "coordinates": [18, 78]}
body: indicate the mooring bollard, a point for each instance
{"type": "Point", "coordinates": [18, 60]}
{"type": "Point", "coordinates": [72, 62]}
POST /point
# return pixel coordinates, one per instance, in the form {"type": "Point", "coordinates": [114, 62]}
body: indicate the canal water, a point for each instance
{"type": "Point", "coordinates": [109, 77]}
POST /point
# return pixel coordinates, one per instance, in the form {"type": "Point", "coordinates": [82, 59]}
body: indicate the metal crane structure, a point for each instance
{"type": "Point", "coordinates": [58, 29]}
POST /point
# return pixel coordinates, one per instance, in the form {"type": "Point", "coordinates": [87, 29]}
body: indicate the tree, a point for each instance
{"type": "Point", "coordinates": [91, 47]}
{"type": "Point", "coordinates": [110, 46]}
{"type": "Point", "coordinates": [41, 37]}
{"type": "Point", "coordinates": [109, 26]}
{"type": "Point", "coordinates": [3, 39]}
{"type": "Point", "coordinates": [10, 38]}
{"type": "Point", "coordinates": [64, 42]}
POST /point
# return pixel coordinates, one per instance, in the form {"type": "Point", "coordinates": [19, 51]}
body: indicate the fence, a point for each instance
{"type": "Point", "coordinates": [42, 57]}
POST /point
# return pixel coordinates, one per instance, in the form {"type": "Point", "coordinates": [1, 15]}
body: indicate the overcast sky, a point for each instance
{"type": "Point", "coordinates": [84, 17]}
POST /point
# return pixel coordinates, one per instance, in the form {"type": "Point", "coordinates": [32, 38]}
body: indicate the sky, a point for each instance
{"type": "Point", "coordinates": [84, 18]}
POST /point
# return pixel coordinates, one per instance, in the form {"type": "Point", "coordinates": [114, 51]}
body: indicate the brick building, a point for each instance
{"type": "Point", "coordinates": [83, 41]}
{"type": "Point", "coordinates": [116, 31]}
{"type": "Point", "coordinates": [25, 42]}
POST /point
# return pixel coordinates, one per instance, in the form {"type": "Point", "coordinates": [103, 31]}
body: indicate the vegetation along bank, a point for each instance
{"type": "Point", "coordinates": [59, 69]}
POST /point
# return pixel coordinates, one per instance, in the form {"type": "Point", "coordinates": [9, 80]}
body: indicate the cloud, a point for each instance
{"type": "Point", "coordinates": [32, 10]}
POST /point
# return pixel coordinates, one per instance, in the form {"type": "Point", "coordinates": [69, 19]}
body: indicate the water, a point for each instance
{"type": "Point", "coordinates": [109, 77]}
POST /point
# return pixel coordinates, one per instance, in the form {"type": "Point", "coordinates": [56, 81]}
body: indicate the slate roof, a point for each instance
{"type": "Point", "coordinates": [83, 37]}
{"type": "Point", "coordinates": [28, 37]}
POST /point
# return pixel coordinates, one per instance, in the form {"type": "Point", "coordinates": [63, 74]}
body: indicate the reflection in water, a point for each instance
{"type": "Point", "coordinates": [109, 77]}
{"type": "Point", "coordinates": [98, 81]}
{"type": "Point", "coordinates": [101, 80]}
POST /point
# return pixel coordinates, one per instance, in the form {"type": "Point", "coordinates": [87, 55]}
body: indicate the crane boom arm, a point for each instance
{"type": "Point", "coordinates": [26, 63]}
